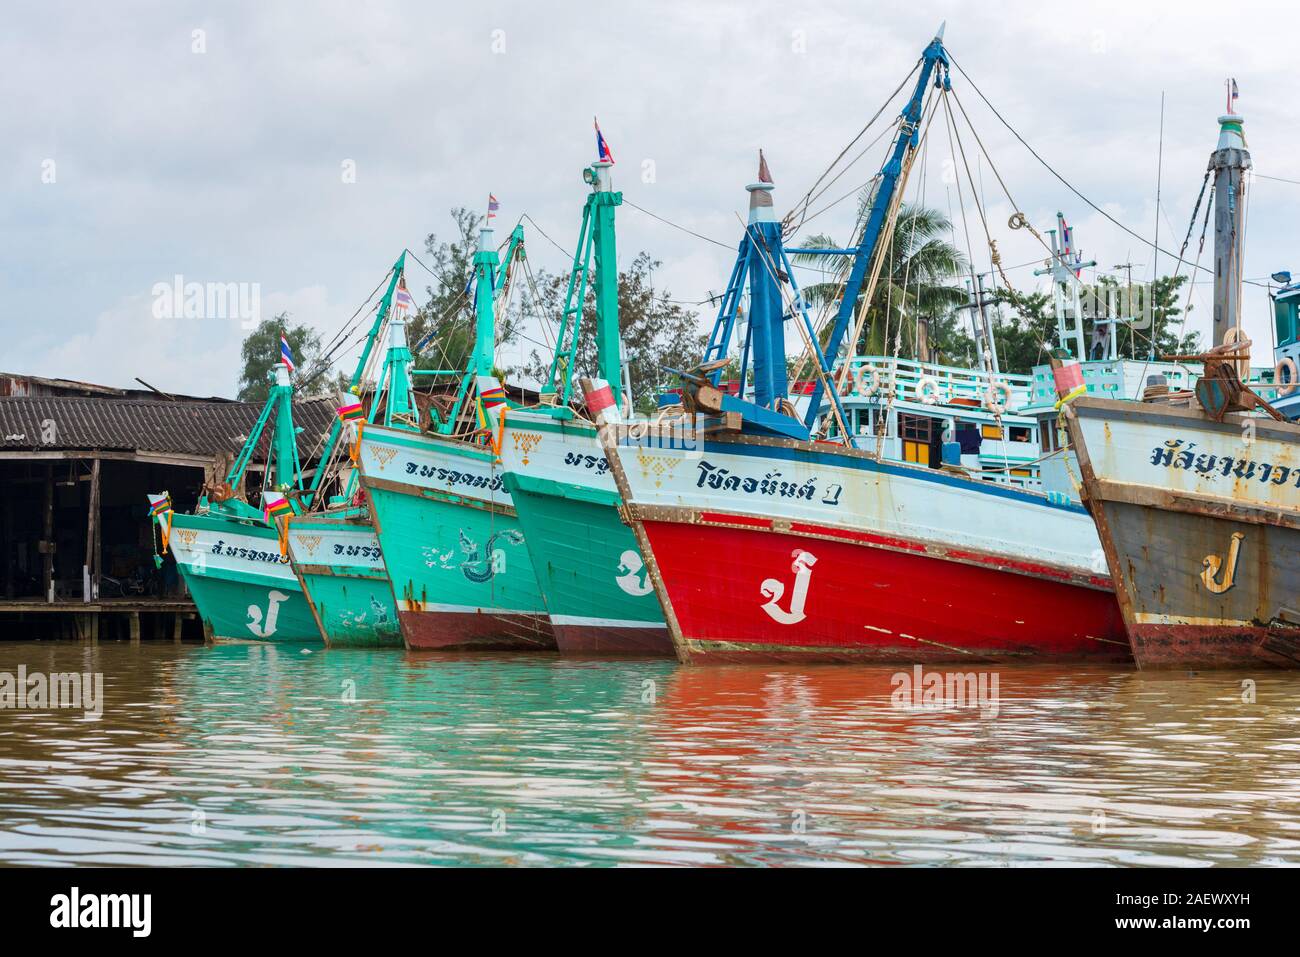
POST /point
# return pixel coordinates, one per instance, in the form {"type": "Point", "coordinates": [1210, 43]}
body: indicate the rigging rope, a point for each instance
{"type": "Point", "coordinates": [1063, 180]}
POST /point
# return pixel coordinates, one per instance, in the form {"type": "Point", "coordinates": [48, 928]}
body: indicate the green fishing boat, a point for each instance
{"type": "Point", "coordinates": [229, 552]}
{"type": "Point", "coordinates": [335, 552]}
{"type": "Point", "coordinates": [597, 588]}
{"type": "Point", "coordinates": [453, 546]}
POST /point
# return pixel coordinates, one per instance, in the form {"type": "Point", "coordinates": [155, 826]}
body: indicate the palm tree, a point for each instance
{"type": "Point", "coordinates": [916, 282]}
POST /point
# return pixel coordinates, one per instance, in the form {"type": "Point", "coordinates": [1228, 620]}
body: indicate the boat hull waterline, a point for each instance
{"type": "Point", "coordinates": [587, 560]}
{"type": "Point", "coordinates": [243, 588]}
{"type": "Point", "coordinates": [776, 550]}
{"type": "Point", "coordinates": [1201, 521]}
{"type": "Point", "coordinates": [460, 574]}
{"type": "Point", "coordinates": [340, 565]}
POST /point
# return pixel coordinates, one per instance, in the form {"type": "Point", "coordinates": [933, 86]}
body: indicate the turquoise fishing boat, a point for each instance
{"type": "Point", "coordinates": [587, 560]}
{"type": "Point", "coordinates": [230, 553]}
{"type": "Point", "coordinates": [461, 575]}
{"type": "Point", "coordinates": [335, 552]}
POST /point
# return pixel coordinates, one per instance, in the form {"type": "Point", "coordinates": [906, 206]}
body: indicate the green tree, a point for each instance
{"type": "Point", "coordinates": [261, 351]}
{"type": "Point", "coordinates": [1021, 336]}
{"type": "Point", "coordinates": [916, 283]}
{"type": "Point", "coordinates": [656, 332]}
{"type": "Point", "coordinates": [1167, 333]}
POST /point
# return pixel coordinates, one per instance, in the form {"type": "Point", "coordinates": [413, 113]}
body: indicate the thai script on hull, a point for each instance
{"type": "Point", "coordinates": [1178, 455]}
{"type": "Point", "coordinates": [453, 477]}
{"type": "Point", "coordinates": [771, 484]}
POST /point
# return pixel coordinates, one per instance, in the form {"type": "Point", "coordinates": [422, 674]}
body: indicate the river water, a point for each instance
{"type": "Point", "coordinates": [248, 755]}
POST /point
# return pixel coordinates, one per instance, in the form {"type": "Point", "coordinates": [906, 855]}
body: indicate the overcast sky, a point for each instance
{"type": "Point", "coordinates": [221, 156]}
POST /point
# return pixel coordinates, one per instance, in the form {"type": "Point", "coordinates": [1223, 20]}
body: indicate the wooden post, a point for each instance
{"type": "Point", "coordinates": [47, 536]}
{"type": "Point", "coordinates": [93, 534]}
{"type": "Point", "coordinates": [176, 627]}
{"type": "Point", "coordinates": [135, 628]}
{"type": "Point", "coordinates": [94, 627]}
{"type": "Point", "coordinates": [7, 536]}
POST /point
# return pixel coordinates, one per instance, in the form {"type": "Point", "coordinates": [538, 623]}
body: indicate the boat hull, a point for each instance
{"type": "Point", "coordinates": [1201, 522]}
{"type": "Point", "coordinates": [461, 576]}
{"type": "Point", "coordinates": [833, 556]}
{"type": "Point", "coordinates": [243, 588]}
{"type": "Point", "coordinates": [340, 565]}
{"type": "Point", "coordinates": [587, 560]}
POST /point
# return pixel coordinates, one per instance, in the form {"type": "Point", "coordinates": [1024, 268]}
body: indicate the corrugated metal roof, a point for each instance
{"type": "Point", "coordinates": [75, 423]}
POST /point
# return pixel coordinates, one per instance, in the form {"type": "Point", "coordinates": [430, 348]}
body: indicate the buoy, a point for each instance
{"type": "Point", "coordinates": [862, 388]}
{"type": "Point", "coordinates": [1287, 363]}
{"type": "Point", "coordinates": [927, 390]}
{"type": "Point", "coordinates": [991, 403]}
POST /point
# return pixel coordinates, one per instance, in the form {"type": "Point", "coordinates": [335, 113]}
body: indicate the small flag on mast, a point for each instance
{"type": "Point", "coordinates": [286, 355]}
{"type": "Point", "coordinates": [160, 510]}
{"type": "Point", "coordinates": [275, 505]}
{"type": "Point", "coordinates": [603, 154]}
{"type": "Point", "coordinates": [159, 504]}
{"type": "Point", "coordinates": [1232, 95]}
{"type": "Point", "coordinates": [402, 300]}
{"type": "Point", "coordinates": [493, 206]}
{"type": "Point", "coordinates": [764, 174]}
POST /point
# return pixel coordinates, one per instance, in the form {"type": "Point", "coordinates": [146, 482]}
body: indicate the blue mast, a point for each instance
{"type": "Point", "coordinates": [905, 142]}
{"type": "Point", "coordinates": [761, 261]}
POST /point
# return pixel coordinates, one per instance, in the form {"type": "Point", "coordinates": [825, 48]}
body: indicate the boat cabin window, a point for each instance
{"type": "Point", "coordinates": [1284, 311]}
{"type": "Point", "coordinates": [1021, 433]}
{"type": "Point", "coordinates": [991, 431]}
{"type": "Point", "coordinates": [921, 437]}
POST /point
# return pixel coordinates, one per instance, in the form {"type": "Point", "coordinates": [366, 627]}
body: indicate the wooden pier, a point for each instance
{"type": "Point", "coordinates": [117, 619]}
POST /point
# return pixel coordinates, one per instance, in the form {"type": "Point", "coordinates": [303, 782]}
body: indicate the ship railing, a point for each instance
{"type": "Point", "coordinates": [930, 383]}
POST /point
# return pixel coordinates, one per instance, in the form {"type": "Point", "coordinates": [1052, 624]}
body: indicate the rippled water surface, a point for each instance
{"type": "Point", "coordinates": [236, 755]}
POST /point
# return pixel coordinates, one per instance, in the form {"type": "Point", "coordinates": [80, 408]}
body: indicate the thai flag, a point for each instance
{"type": "Point", "coordinates": [1234, 93]}
{"type": "Point", "coordinates": [602, 148]}
{"type": "Point", "coordinates": [402, 300]}
{"type": "Point", "coordinates": [286, 356]}
{"type": "Point", "coordinates": [493, 206]}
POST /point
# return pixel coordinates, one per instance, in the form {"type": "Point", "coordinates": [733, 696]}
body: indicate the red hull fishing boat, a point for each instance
{"type": "Point", "coordinates": [766, 542]}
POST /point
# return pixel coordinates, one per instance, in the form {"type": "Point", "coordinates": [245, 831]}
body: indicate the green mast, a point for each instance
{"type": "Point", "coordinates": [288, 471]}
{"type": "Point", "coordinates": [486, 265]}
{"type": "Point", "coordinates": [490, 275]}
{"type": "Point", "coordinates": [395, 379]}
{"type": "Point", "coordinates": [595, 241]}
{"type": "Point", "coordinates": [336, 427]}
{"type": "Point", "coordinates": [608, 347]}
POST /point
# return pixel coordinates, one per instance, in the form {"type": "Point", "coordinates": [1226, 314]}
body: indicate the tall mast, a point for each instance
{"type": "Point", "coordinates": [595, 242]}
{"type": "Point", "coordinates": [609, 357]}
{"type": "Point", "coordinates": [1229, 161]}
{"type": "Point", "coordinates": [1067, 263]}
{"type": "Point", "coordinates": [336, 427]}
{"type": "Point", "coordinates": [284, 443]}
{"type": "Point", "coordinates": [396, 377]}
{"type": "Point", "coordinates": [906, 141]}
{"type": "Point", "coordinates": [486, 265]}
{"type": "Point", "coordinates": [766, 310]}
